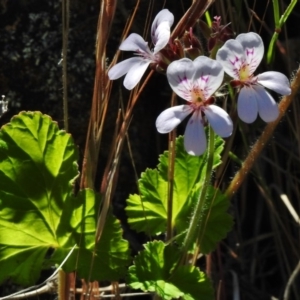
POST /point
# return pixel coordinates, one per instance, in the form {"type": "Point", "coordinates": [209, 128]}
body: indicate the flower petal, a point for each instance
{"type": "Point", "coordinates": [246, 49]}
{"type": "Point", "coordinates": [134, 42]}
{"type": "Point", "coordinates": [253, 49]}
{"type": "Point", "coordinates": [219, 120]}
{"type": "Point", "coordinates": [275, 81]}
{"type": "Point", "coordinates": [194, 135]}
{"type": "Point", "coordinates": [208, 75]}
{"type": "Point", "coordinates": [163, 16]}
{"type": "Point", "coordinates": [163, 34]}
{"type": "Point", "coordinates": [231, 56]}
{"type": "Point", "coordinates": [172, 117]}
{"type": "Point", "coordinates": [247, 106]}
{"type": "Point", "coordinates": [267, 107]}
{"type": "Point", "coordinates": [180, 76]}
{"type": "Point", "coordinates": [123, 67]}
{"type": "Point", "coordinates": [135, 74]}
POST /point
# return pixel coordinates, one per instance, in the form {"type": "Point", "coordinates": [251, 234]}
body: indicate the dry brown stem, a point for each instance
{"type": "Point", "coordinates": [197, 9]}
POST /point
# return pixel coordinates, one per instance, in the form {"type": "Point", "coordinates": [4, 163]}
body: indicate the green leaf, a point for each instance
{"type": "Point", "coordinates": [37, 168]}
{"type": "Point", "coordinates": [155, 270]}
{"type": "Point", "coordinates": [38, 211]}
{"type": "Point", "coordinates": [215, 222]}
{"type": "Point", "coordinates": [111, 253]}
{"type": "Point", "coordinates": [148, 212]}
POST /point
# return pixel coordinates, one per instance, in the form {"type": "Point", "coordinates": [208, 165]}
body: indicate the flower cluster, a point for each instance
{"type": "Point", "coordinates": [196, 81]}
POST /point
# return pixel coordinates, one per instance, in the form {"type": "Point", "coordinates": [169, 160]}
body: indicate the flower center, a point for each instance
{"type": "Point", "coordinates": [197, 96]}
{"type": "Point", "coordinates": [149, 55]}
{"type": "Point", "coordinates": [244, 72]}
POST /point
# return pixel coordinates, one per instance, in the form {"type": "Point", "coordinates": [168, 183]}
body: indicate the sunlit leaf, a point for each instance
{"type": "Point", "coordinates": [155, 270]}
{"type": "Point", "coordinates": [40, 218]}
{"type": "Point", "coordinates": [112, 252]}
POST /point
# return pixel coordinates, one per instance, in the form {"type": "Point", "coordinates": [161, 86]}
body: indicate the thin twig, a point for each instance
{"type": "Point", "coordinates": [101, 94]}
{"type": "Point", "coordinates": [290, 282]}
{"type": "Point", "coordinates": [197, 9]}
{"type": "Point", "coordinates": [49, 285]}
{"type": "Point", "coordinates": [65, 33]}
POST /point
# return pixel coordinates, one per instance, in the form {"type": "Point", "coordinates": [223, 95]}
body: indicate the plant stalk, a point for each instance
{"type": "Point", "coordinates": [194, 223]}
{"type": "Point", "coordinates": [171, 170]}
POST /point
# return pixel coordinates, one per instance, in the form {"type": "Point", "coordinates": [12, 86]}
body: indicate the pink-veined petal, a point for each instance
{"type": "Point", "coordinates": [253, 49]}
{"type": "Point", "coordinates": [247, 106]}
{"type": "Point", "coordinates": [172, 117]}
{"type": "Point", "coordinates": [275, 81]}
{"type": "Point", "coordinates": [219, 120]}
{"type": "Point", "coordinates": [123, 67]}
{"type": "Point", "coordinates": [163, 16]}
{"type": "Point", "coordinates": [267, 107]}
{"type": "Point", "coordinates": [231, 56]}
{"type": "Point", "coordinates": [194, 135]}
{"type": "Point", "coordinates": [163, 36]}
{"type": "Point", "coordinates": [180, 75]}
{"type": "Point", "coordinates": [135, 74]}
{"type": "Point", "coordinates": [208, 75]}
{"type": "Point", "coordinates": [135, 42]}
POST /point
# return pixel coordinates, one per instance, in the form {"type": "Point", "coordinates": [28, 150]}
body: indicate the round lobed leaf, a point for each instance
{"type": "Point", "coordinates": [38, 211]}
{"type": "Point", "coordinates": [155, 270]}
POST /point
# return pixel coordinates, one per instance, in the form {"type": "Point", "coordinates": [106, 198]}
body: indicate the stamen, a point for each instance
{"type": "Point", "coordinates": [244, 72]}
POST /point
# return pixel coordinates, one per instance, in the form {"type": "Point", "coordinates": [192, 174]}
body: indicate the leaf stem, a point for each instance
{"type": "Point", "coordinates": [172, 138]}
{"type": "Point", "coordinates": [171, 185]}
{"type": "Point", "coordinates": [276, 13]}
{"type": "Point", "coordinates": [194, 223]}
{"type": "Point", "coordinates": [278, 25]}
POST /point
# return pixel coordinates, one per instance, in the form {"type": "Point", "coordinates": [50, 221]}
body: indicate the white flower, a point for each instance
{"type": "Point", "coordinates": [195, 81]}
{"type": "Point", "coordinates": [135, 67]}
{"type": "Point", "coordinates": [240, 58]}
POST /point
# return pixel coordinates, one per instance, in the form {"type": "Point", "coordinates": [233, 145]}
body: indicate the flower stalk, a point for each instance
{"type": "Point", "coordinates": [193, 229]}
